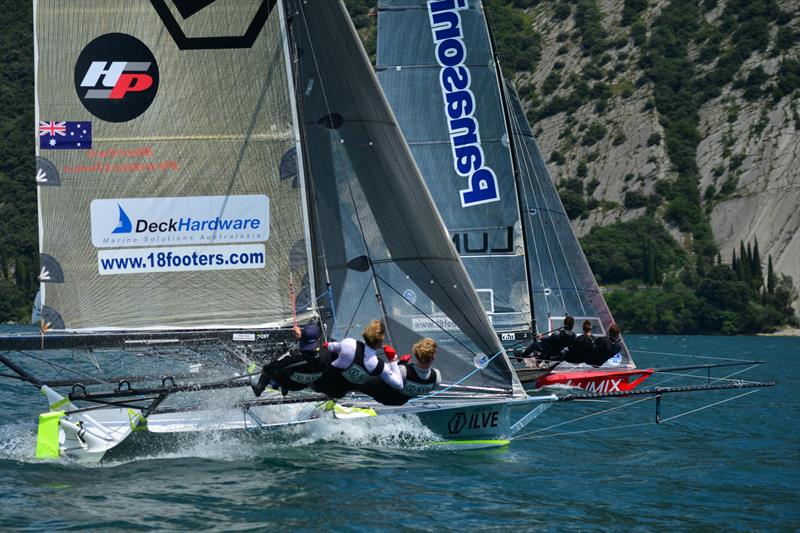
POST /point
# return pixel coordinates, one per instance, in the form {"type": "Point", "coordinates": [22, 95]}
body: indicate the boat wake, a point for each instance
{"type": "Point", "coordinates": [18, 442]}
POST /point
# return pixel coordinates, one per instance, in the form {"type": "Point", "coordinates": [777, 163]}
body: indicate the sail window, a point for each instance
{"type": "Point", "coordinates": [486, 296]}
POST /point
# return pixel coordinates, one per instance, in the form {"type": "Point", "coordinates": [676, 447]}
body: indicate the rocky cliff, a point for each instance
{"type": "Point", "coordinates": [605, 101]}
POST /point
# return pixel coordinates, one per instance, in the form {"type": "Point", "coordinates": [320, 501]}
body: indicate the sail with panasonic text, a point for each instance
{"type": "Point", "coordinates": [437, 64]}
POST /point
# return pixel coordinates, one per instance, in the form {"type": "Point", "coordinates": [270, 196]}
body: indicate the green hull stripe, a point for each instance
{"type": "Point", "coordinates": [489, 442]}
{"type": "Point", "coordinates": [47, 438]}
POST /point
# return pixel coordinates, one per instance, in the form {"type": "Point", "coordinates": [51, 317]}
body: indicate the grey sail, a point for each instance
{"type": "Point", "coordinates": [177, 207]}
{"type": "Point", "coordinates": [436, 66]}
{"type": "Point", "coordinates": [377, 224]}
{"type": "Point", "coordinates": [546, 276]}
{"type": "Point", "coordinates": [563, 282]}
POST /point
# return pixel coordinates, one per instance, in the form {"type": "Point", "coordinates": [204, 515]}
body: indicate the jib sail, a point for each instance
{"type": "Point", "coordinates": [379, 227]}
{"type": "Point", "coordinates": [563, 282]}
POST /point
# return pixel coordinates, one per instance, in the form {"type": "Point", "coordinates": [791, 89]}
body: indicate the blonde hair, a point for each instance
{"type": "Point", "coordinates": [373, 334]}
{"type": "Point", "coordinates": [425, 350]}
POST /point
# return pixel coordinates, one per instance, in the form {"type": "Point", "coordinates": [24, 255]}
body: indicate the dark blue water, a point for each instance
{"type": "Point", "coordinates": [735, 466]}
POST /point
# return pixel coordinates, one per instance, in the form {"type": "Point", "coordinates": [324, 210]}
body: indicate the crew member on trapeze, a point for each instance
{"type": "Point", "coordinates": [418, 378]}
{"type": "Point", "coordinates": [299, 367]}
{"type": "Point", "coordinates": [356, 362]}
{"type": "Point", "coordinates": [553, 348]}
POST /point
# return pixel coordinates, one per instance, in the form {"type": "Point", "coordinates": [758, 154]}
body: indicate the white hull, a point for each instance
{"type": "Point", "coordinates": [88, 436]}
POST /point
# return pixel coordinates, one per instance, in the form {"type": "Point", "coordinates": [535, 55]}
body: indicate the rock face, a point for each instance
{"type": "Point", "coordinates": [748, 156]}
{"type": "Point", "coordinates": [765, 204]}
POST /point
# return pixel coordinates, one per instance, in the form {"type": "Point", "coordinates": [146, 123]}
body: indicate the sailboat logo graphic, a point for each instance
{"type": "Point", "coordinates": [124, 225]}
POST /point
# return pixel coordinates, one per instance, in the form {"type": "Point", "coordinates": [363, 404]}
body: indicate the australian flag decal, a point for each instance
{"type": "Point", "coordinates": [65, 135]}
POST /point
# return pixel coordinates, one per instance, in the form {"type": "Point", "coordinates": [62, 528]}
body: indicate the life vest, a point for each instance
{"type": "Point", "coordinates": [336, 382]}
{"type": "Point", "coordinates": [302, 368]}
{"type": "Point", "coordinates": [413, 386]}
{"type": "Point", "coordinates": [316, 363]}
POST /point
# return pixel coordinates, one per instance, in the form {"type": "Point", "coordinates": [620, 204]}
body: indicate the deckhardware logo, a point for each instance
{"type": "Point", "coordinates": [183, 225]}
{"type": "Point", "coordinates": [116, 77]}
{"type": "Point", "coordinates": [459, 103]}
{"type": "Point", "coordinates": [128, 222]}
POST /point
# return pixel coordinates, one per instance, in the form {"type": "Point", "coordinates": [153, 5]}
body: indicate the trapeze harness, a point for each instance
{"type": "Point", "coordinates": [413, 385]}
{"type": "Point", "coordinates": [336, 382]}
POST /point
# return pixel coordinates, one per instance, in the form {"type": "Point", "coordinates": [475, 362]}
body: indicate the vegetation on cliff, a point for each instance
{"type": "Point", "coordinates": [653, 287]}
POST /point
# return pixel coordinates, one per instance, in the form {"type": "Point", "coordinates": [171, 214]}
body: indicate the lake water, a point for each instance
{"type": "Point", "coordinates": [734, 466]}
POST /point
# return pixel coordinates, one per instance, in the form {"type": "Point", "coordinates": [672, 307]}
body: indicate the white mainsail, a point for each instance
{"type": "Point", "coordinates": [210, 219]}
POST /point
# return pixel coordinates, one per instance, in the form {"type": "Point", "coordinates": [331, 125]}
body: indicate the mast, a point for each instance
{"type": "Point", "coordinates": [306, 183]}
{"type": "Point", "coordinates": [514, 161]}
{"type": "Point", "coordinates": [301, 175]}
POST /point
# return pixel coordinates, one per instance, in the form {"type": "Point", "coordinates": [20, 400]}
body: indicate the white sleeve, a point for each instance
{"type": "Point", "coordinates": [346, 351]}
{"type": "Point", "coordinates": [392, 376]}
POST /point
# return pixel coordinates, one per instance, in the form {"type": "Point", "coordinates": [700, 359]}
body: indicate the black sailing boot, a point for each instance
{"type": "Point", "coordinates": [263, 381]}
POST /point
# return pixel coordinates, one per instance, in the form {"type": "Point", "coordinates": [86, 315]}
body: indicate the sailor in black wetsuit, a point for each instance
{"type": "Point", "coordinates": [583, 347]}
{"type": "Point", "coordinates": [554, 347]}
{"type": "Point", "coordinates": [356, 362]}
{"type": "Point", "coordinates": [299, 367]}
{"type": "Point", "coordinates": [606, 347]}
{"type": "Point", "coordinates": [419, 378]}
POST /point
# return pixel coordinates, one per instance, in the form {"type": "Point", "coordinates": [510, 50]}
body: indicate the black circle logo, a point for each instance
{"type": "Point", "coordinates": [116, 77]}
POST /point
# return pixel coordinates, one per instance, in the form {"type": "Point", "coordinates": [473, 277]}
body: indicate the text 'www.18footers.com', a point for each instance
{"type": "Point", "coordinates": [180, 259]}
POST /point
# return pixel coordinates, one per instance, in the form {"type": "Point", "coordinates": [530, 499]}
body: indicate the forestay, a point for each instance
{"type": "Point", "coordinates": [377, 224]}
{"type": "Point", "coordinates": [168, 186]}
{"type": "Point", "coordinates": [435, 64]}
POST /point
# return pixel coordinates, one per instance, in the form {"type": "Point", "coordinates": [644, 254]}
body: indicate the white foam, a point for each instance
{"type": "Point", "coordinates": [18, 442]}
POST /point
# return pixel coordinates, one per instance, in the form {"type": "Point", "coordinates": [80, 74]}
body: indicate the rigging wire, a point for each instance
{"type": "Point", "coordinates": [582, 418]}
{"type": "Point", "coordinates": [459, 382]}
{"type": "Point", "coordinates": [356, 308]}
{"type": "Point", "coordinates": [426, 315]}
{"type": "Point", "coordinates": [709, 405]}
{"type": "Point", "coordinates": [57, 366]}
{"type": "Point", "coordinates": [531, 435]}
{"type": "Point", "coordinates": [689, 355]}
{"type": "Point", "coordinates": [372, 272]}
